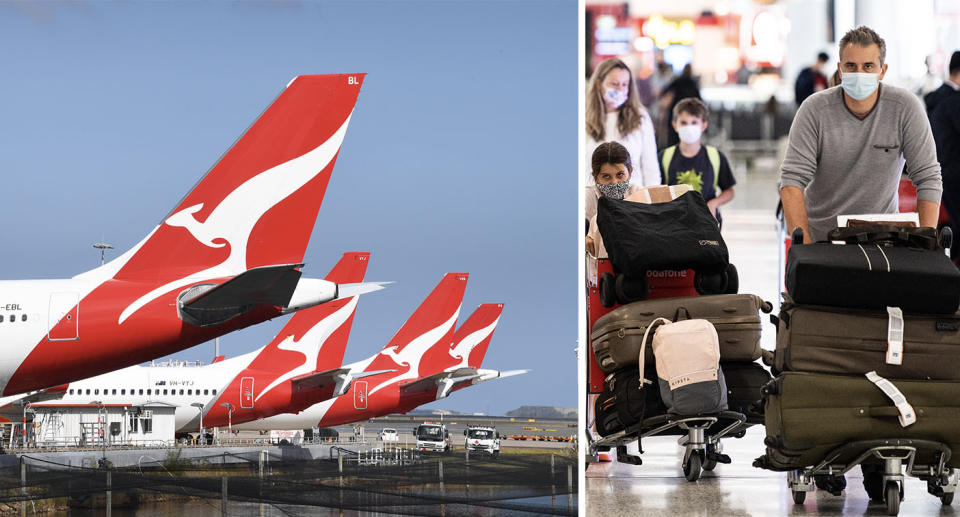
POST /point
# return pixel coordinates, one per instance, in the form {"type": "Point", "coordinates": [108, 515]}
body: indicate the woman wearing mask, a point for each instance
{"type": "Point", "coordinates": [614, 114]}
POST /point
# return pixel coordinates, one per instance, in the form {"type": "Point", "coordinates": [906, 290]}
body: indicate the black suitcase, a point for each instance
{"type": "Point", "coordinates": [745, 382]}
{"type": "Point", "coordinates": [871, 276]}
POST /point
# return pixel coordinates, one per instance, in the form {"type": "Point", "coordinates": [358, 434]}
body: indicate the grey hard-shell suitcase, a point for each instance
{"type": "Point", "coordinates": [617, 335]}
{"type": "Point", "coordinates": [850, 341]}
{"type": "Point", "coordinates": [808, 415]}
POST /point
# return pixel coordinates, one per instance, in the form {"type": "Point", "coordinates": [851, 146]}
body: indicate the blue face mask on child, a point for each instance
{"type": "Point", "coordinates": [614, 190]}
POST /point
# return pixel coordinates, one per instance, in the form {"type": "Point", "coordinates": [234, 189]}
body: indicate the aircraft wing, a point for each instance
{"type": "Point", "coordinates": [267, 285]}
{"type": "Point", "coordinates": [12, 407]}
{"type": "Point", "coordinates": [342, 378]}
{"type": "Point", "coordinates": [445, 382]}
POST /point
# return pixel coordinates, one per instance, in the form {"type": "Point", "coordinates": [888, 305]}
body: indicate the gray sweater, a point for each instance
{"type": "Point", "coordinates": [852, 166]}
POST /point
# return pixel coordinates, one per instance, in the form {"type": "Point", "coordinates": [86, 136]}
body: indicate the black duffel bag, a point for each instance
{"type": "Point", "coordinates": [678, 234]}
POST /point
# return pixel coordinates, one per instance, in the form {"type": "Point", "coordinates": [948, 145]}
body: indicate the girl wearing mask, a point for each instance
{"type": "Point", "coordinates": [614, 114]}
{"type": "Point", "coordinates": [612, 170]}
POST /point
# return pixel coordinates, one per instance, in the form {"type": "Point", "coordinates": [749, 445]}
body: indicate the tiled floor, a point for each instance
{"type": "Point", "coordinates": [658, 488]}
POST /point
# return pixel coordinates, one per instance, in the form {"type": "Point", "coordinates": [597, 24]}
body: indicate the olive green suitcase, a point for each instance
{"type": "Point", "coordinates": [808, 415]}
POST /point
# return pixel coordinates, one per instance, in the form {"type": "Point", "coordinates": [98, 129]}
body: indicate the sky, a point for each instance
{"type": "Point", "coordinates": [461, 154]}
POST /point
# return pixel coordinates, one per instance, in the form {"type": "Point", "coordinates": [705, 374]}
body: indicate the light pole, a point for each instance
{"type": "Point", "coordinates": [103, 433]}
{"type": "Point", "coordinates": [199, 407]}
{"type": "Point", "coordinates": [26, 409]}
{"type": "Point", "coordinates": [102, 246]}
{"type": "Point", "coordinates": [229, 407]}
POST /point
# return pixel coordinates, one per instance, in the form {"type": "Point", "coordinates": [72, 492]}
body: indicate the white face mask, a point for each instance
{"type": "Point", "coordinates": [614, 97]}
{"type": "Point", "coordinates": [689, 134]}
{"type": "Point", "coordinates": [859, 85]}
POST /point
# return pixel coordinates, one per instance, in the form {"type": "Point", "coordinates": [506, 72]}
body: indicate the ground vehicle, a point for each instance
{"type": "Point", "coordinates": [388, 435]}
{"type": "Point", "coordinates": [482, 439]}
{"type": "Point", "coordinates": [433, 437]}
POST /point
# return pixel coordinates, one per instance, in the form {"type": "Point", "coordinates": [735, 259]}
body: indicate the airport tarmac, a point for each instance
{"type": "Point", "coordinates": [538, 431]}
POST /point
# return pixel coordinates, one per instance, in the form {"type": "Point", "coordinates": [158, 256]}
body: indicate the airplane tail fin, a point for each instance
{"type": "Point", "coordinates": [315, 338]}
{"type": "Point", "coordinates": [258, 204]}
{"type": "Point", "coordinates": [435, 316]}
{"type": "Point", "coordinates": [471, 340]}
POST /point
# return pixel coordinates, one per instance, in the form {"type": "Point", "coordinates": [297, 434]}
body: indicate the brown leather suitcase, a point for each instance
{"type": "Point", "coordinates": [617, 336]}
{"type": "Point", "coordinates": [850, 341]}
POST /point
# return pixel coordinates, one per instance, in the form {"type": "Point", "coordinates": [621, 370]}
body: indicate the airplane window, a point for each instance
{"type": "Point", "coordinates": [214, 392]}
{"type": "Point", "coordinates": [23, 318]}
{"type": "Point", "coordinates": [150, 392]}
{"type": "Point", "coordinates": [1, 318]}
{"type": "Point", "coordinates": [88, 391]}
{"type": "Point", "coordinates": [164, 392]}
{"type": "Point", "coordinates": [113, 392]}
{"type": "Point", "coordinates": [181, 392]}
{"type": "Point", "coordinates": [71, 391]}
{"type": "Point", "coordinates": [123, 392]}
{"type": "Point", "coordinates": [206, 392]}
{"type": "Point", "coordinates": [96, 392]}
{"type": "Point", "coordinates": [13, 318]}
{"type": "Point", "coordinates": [189, 392]}
{"type": "Point", "coordinates": [141, 392]}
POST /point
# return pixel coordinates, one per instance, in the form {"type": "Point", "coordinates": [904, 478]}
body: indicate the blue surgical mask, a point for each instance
{"type": "Point", "coordinates": [859, 85]}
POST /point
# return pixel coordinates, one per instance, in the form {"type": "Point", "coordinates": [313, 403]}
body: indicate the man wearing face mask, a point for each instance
{"type": "Point", "coordinates": [703, 167]}
{"type": "Point", "coordinates": [847, 145]}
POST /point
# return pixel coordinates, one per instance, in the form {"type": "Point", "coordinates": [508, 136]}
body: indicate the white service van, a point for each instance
{"type": "Point", "coordinates": [482, 439]}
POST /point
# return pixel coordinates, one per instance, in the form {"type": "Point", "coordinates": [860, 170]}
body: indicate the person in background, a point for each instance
{"type": "Point", "coordinates": [683, 87]}
{"type": "Point", "coordinates": [945, 123]}
{"type": "Point", "coordinates": [811, 79]}
{"type": "Point", "coordinates": [614, 114]}
{"type": "Point", "coordinates": [930, 80]}
{"type": "Point", "coordinates": [703, 167]}
{"type": "Point", "coordinates": [949, 87]}
{"type": "Point", "coordinates": [844, 147]}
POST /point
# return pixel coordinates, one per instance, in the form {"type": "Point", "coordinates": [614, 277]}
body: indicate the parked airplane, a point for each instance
{"type": "Point", "coordinates": [385, 393]}
{"type": "Point", "coordinates": [301, 366]}
{"type": "Point", "coordinates": [312, 341]}
{"type": "Point", "coordinates": [226, 257]}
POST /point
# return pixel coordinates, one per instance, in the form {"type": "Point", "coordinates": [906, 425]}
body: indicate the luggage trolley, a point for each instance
{"type": "Point", "coordinates": [700, 436]}
{"type": "Point", "coordinates": [891, 454]}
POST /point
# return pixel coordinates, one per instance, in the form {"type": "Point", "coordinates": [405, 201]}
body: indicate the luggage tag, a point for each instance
{"type": "Point", "coordinates": [894, 335]}
{"type": "Point", "coordinates": [907, 415]}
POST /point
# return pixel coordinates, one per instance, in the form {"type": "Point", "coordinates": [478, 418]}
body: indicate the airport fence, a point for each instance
{"type": "Point", "coordinates": [430, 485]}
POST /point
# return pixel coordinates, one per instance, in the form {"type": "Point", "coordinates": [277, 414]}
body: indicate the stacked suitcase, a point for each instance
{"type": "Point", "coordinates": [856, 314]}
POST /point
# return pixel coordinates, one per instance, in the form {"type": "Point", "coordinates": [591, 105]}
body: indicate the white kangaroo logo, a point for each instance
{"type": "Point", "coordinates": [462, 350]}
{"type": "Point", "coordinates": [234, 218]}
{"type": "Point", "coordinates": [411, 354]}
{"type": "Point", "coordinates": [311, 343]}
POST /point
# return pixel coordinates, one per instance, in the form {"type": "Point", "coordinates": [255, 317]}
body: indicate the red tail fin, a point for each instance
{"type": "Point", "coordinates": [258, 204]}
{"type": "Point", "coordinates": [471, 340]}
{"type": "Point", "coordinates": [431, 325]}
{"type": "Point", "coordinates": [316, 338]}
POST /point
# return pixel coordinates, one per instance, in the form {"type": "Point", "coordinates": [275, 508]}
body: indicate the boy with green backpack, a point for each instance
{"type": "Point", "coordinates": [703, 167]}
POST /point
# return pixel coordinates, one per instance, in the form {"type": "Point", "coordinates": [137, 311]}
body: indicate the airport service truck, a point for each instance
{"type": "Point", "coordinates": [432, 437]}
{"type": "Point", "coordinates": [482, 439]}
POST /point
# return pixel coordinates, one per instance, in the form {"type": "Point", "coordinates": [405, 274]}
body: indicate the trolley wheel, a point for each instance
{"type": "Point", "coordinates": [691, 469]}
{"type": "Point", "coordinates": [946, 499]}
{"type": "Point", "coordinates": [797, 236]}
{"type": "Point", "coordinates": [608, 297]}
{"type": "Point", "coordinates": [715, 283]}
{"type": "Point", "coordinates": [709, 464]}
{"type": "Point", "coordinates": [799, 496]}
{"type": "Point", "coordinates": [733, 280]}
{"type": "Point", "coordinates": [892, 496]}
{"type": "Point", "coordinates": [629, 290]}
{"type": "Point", "coordinates": [946, 237]}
